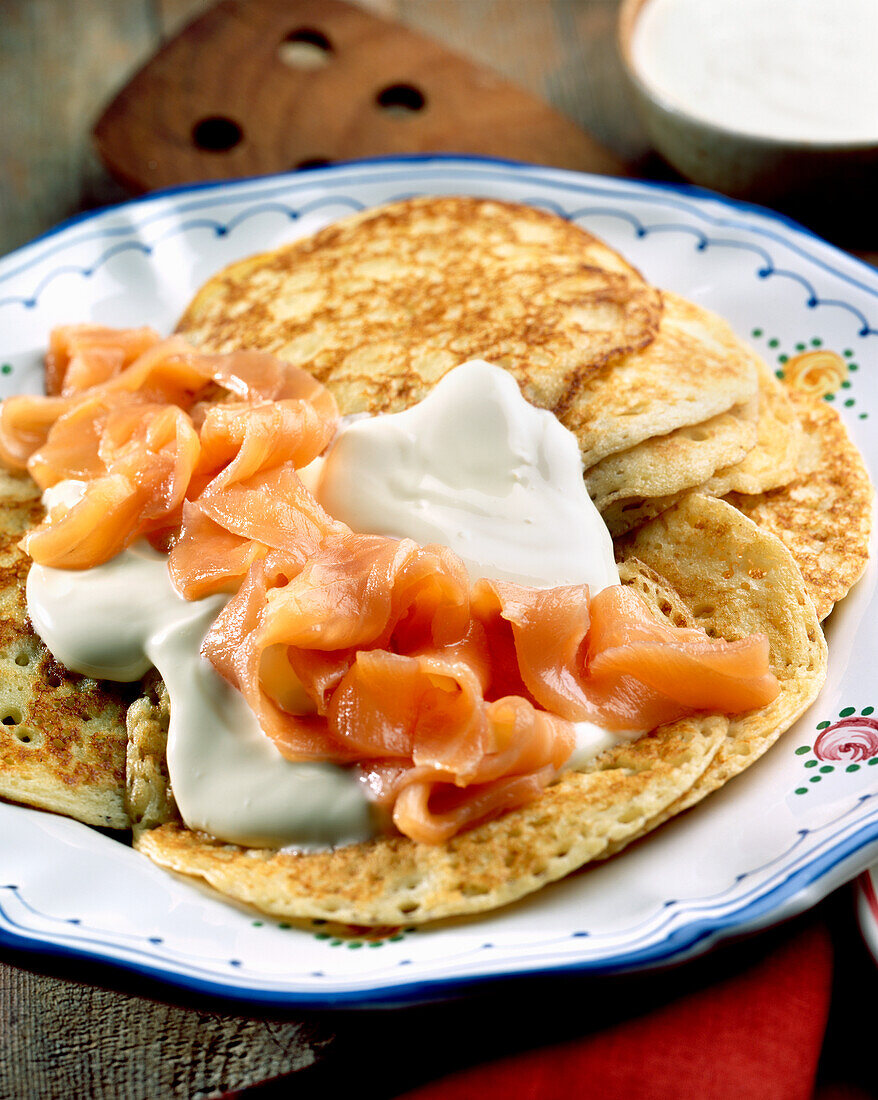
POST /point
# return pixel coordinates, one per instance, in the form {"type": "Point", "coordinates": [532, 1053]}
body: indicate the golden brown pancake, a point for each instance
{"type": "Point", "coordinates": [148, 798]}
{"type": "Point", "coordinates": [666, 465]}
{"type": "Point", "coordinates": [63, 737]}
{"type": "Point", "coordinates": [751, 448]}
{"type": "Point", "coordinates": [380, 305]}
{"type": "Point", "coordinates": [824, 515]}
{"type": "Point", "coordinates": [695, 369]}
{"type": "Point", "coordinates": [775, 458]}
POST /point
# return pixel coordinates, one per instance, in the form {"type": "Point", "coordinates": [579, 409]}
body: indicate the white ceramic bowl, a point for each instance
{"type": "Point", "coordinates": [743, 165]}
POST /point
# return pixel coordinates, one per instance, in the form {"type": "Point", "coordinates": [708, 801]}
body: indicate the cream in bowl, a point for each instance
{"type": "Point", "coordinates": [756, 98]}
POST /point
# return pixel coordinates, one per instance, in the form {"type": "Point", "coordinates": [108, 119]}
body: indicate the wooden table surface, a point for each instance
{"type": "Point", "coordinates": [76, 1029]}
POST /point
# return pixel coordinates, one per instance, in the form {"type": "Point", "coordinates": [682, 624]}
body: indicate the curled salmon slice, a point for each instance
{"type": "Point", "coordinates": [147, 453]}
{"type": "Point", "coordinates": [607, 660]}
{"type": "Point", "coordinates": [644, 670]}
{"type": "Point", "coordinates": [83, 356]}
{"type": "Point", "coordinates": [25, 423]}
{"type": "Point", "coordinates": [224, 531]}
{"type": "Point", "coordinates": [427, 709]}
{"type": "Point", "coordinates": [129, 411]}
{"type": "Point", "coordinates": [355, 592]}
{"type": "Point", "coordinates": [548, 631]}
{"type": "Point", "coordinates": [432, 812]}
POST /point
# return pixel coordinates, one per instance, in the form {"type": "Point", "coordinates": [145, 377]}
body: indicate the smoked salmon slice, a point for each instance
{"type": "Point", "coordinates": [153, 422]}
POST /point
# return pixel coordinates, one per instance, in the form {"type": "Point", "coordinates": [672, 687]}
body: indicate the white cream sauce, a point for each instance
{"type": "Point", "coordinates": [799, 70]}
{"type": "Point", "coordinates": [477, 468]}
{"type": "Point", "coordinates": [474, 467]}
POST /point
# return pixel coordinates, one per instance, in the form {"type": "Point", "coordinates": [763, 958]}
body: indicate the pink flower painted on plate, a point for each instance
{"type": "Point", "coordinates": [850, 740]}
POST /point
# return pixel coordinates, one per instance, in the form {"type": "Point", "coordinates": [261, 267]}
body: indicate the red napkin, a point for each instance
{"type": "Point", "coordinates": [756, 1034]}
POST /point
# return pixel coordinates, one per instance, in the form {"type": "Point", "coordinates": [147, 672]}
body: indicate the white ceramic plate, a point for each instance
{"type": "Point", "coordinates": [799, 823]}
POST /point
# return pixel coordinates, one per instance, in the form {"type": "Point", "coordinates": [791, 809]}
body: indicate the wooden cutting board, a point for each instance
{"type": "Point", "coordinates": [261, 86]}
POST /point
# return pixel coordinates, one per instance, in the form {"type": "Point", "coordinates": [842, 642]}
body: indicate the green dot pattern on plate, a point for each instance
{"type": "Point", "coordinates": [846, 712]}
{"type": "Point", "coordinates": [823, 725]}
{"type": "Point", "coordinates": [867, 710]}
{"type": "Point", "coordinates": [802, 749]}
{"type": "Point", "coordinates": [376, 938]}
{"type": "Point", "coordinates": [6, 368]}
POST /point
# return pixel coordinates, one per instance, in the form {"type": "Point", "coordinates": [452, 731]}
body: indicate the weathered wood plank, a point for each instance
{"type": "Point", "coordinates": [561, 50]}
{"type": "Point", "coordinates": [59, 62]}
{"type": "Point", "coordinates": [173, 15]}
{"type": "Point", "coordinates": [67, 1038]}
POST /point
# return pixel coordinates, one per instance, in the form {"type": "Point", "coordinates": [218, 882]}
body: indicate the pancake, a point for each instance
{"type": "Point", "coordinates": [751, 448]}
{"type": "Point", "coordinates": [63, 737]}
{"type": "Point", "coordinates": [669, 464]}
{"type": "Point", "coordinates": [380, 305]}
{"type": "Point", "coordinates": [586, 815]}
{"type": "Point", "coordinates": [695, 369]}
{"type": "Point", "coordinates": [148, 798]}
{"type": "Point", "coordinates": [774, 461]}
{"type": "Point", "coordinates": [749, 568]}
{"type": "Point", "coordinates": [824, 515]}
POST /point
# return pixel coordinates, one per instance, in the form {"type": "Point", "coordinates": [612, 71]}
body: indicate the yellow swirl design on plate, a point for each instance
{"type": "Point", "coordinates": [816, 372]}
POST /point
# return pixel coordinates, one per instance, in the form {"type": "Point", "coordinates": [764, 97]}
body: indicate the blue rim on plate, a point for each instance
{"type": "Point", "coordinates": [705, 238]}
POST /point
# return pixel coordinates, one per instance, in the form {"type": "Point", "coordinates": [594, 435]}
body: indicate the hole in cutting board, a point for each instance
{"type": "Point", "coordinates": [305, 48]}
{"type": "Point", "coordinates": [401, 99]}
{"type": "Point", "coordinates": [311, 162]}
{"type": "Point", "coordinates": [217, 134]}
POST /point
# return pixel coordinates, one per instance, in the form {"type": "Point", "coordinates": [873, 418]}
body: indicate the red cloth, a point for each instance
{"type": "Point", "coordinates": [756, 1035]}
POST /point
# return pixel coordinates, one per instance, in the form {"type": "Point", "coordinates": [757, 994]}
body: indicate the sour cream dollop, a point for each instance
{"type": "Point", "coordinates": [476, 468]}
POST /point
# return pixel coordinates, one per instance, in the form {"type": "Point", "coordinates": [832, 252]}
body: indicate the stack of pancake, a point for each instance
{"type": "Point", "coordinates": [672, 412]}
